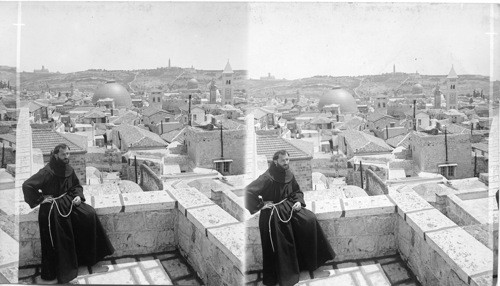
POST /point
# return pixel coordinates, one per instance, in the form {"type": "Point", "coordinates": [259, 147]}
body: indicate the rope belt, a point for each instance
{"type": "Point", "coordinates": [273, 206]}
{"type": "Point", "coordinates": [52, 202]}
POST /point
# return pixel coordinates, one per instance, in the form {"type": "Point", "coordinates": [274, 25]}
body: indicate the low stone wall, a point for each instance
{"type": "Point", "coordinates": [374, 185]}
{"type": "Point", "coordinates": [456, 211]}
{"type": "Point", "coordinates": [356, 228]}
{"type": "Point", "coordinates": [136, 223]}
{"type": "Point", "coordinates": [230, 203]}
{"type": "Point", "coordinates": [437, 250]}
{"type": "Point", "coordinates": [211, 239]}
{"type": "Point", "coordinates": [149, 180]}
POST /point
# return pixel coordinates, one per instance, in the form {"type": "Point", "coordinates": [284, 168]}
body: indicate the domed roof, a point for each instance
{"type": "Point", "coordinates": [417, 89]}
{"type": "Point", "coordinates": [114, 90]}
{"type": "Point", "coordinates": [341, 97]}
{"type": "Point", "coordinates": [192, 84]}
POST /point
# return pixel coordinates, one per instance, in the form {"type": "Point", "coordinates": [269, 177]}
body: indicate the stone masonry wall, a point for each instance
{"type": "Point", "coordinates": [457, 213]}
{"type": "Point", "coordinates": [10, 156]}
{"type": "Point", "coordinates": [149, 180]}
{"type": "Point", "coordinates": [373, 226]}
{"type": "Point", "coordinates": [356, 228]}
{"type": "Point", "coordinates": [374, 185]}
{"type": "Point", "coordinates": [429, 151]}
{"type": "Point", "coordinates": [204, 146]}
{"type": "Point", "coordinates": [211, 240]}
{"type": "Point", "coordinates": [104, 159]}
{"type": "Point", "coordinates": [433, 246]}
{"type": "Point", "coordinates": [302, 169]}
{"type": "Point", "coordinates": [136, 223]}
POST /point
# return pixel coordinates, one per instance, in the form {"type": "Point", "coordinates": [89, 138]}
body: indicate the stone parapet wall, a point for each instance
{"type": "Point", "coordinates": [149, 180]}
{"type": "Point", "coordinates": [211, 239]}
{"type": "Point", "coordinates": [136, 223]}
{"type": "Point", "coordinates": [374, 185]}
{"type": "Point", "coordinates": [356, 228]}
{"type": "Point", "coordinates": [437, 250]}
{"type": "Point", "coordinates": [432, 245]}
{"type": "Point", "coordinates": [230, 203]}
{"type": "Point", "coordinates": [457, 212]}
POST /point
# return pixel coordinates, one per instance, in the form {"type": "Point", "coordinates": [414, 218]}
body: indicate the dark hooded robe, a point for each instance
{"type": "Point", "coordinates": [299, 244]}
{"type": "Point", "coordinates": [78, 239]}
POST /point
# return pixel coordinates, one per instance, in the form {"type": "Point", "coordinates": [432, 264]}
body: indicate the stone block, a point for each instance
{"type": "Point", "coordinates": [107, 222]}
{"type": "Point", "coordinates": [365, 246]}
{"type": "Point", "coordinates": [465, 255]}
{"type": "Point", "coordinates": [327, 209]}
{"type": "Point", "coordinates": [404, 230]}
{"type": "Point", "coordinates": [231, 241]}
{"type": "Point", "coordinates": [26, 213]}
{"type": "Point", "coordinates": [208, 217]}
{"type": "Point", "coordinates": [159, 220]}
{"type": "Point", "coordinates": [365, 206]}
{"type": "Point", "coordinates": [29, 230]}
{"type": "Point", "coordinates": [164, 238]}
{"type": "Point", "coordinates": [253, 220]}
{"type": "Point", "coordinates": [253, 235]}
{"type": "Point", "coordinates": [482, 280]}
{"type": "Point", "coordinates": [107, 204]}
{"type": "Point", "coordinates": [428, 220]}
{"type": "Point", "coordinates": [408, 202]}
{"type": "Point", "coordinates": [381, 224]}
{"type": "Point", "coordinates": [128, 222]}
{"type": "Point", "coordinates": [349, 226]}
{"type": "Point", "coordinates": [146, 201]}
{"type": "Point", "coordinates": [387, 245]}
{"type": "Point", "coordinates": [188, 198]}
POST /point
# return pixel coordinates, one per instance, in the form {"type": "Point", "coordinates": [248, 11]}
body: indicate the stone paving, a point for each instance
{"type": "Point", "coordinates": [166, 268]}
{"type": "Point", "coordinates": [381, 271]}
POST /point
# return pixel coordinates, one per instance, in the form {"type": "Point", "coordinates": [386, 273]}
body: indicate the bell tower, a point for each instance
{"type": "Point", "coordinates": [451, 95]}
{"type": "Point", "coordinates": [227, 85]}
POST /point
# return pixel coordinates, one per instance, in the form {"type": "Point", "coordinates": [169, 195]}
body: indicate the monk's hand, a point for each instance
{"type": "Point", "coordinates": [297, 206]}
{"type": "Point", "coordinates": [77, 201]}
{"type": "Point", "coordinates": [267, 205]}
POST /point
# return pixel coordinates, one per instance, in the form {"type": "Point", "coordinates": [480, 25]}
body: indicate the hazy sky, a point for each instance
{"type": "Point", "coordinates": [289, 40]}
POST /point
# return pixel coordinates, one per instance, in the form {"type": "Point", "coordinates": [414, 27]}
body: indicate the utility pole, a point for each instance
{"type": "Point", "coordinates": [221, 142]}
{"type": "Point", "coordinates": [446, 144]}
{"type": "Point", "coordinates": [361, 173]}
{"type": "Point", "coordinates": [135, 164]}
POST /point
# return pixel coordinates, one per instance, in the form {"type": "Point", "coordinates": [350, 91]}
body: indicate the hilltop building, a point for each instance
{"type": "Point", "coordinates": [43, 70]}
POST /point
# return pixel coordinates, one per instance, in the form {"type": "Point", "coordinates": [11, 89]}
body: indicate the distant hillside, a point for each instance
{"type": "Point", "coordinates": [135, 80]}
{"type": "Point", "coordinates": [176, 78]}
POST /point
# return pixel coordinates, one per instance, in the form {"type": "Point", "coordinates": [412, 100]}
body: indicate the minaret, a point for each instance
{"type": "Point", "coordinates": [394, 69]}
{"type": "Point", "coordinates": [213, 92]}
{"type": "Point", "coordinates": [227, 85]}
{"type": "Point", "coordinates": [437, 97]}
{"type": "Point", "coordinates": [451, 95]}
{"type": "Point", "coordinates": [169, 63]}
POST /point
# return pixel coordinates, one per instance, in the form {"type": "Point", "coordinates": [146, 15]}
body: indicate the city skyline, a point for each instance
{"type": "Point", "coordinates": [287, 40]}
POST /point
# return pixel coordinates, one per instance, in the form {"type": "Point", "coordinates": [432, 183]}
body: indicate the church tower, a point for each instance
{"type": "Point", "coordinates": [437, 97]}
{"type": "Point", "coordinates": [213, 92]}
{"type": "Point", "coordinates": [451, 95]}
{"type": "Point", "coordinates": [227, 85]}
